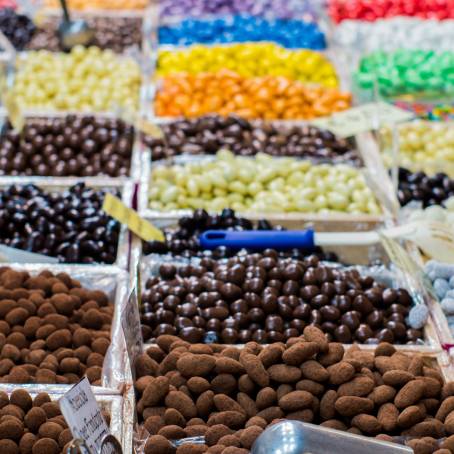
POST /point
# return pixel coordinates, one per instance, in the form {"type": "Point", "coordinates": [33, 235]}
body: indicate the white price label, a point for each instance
{"type": "Point", "coordinates": [364, 118]}
{"type": "Point", "coordinates": [130, 322]}
{"type": "Point", "coordinates": [84, 418]}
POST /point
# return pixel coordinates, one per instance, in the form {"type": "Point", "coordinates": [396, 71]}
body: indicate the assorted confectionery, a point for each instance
{"type": "Point", "coordinates": [227, 226]}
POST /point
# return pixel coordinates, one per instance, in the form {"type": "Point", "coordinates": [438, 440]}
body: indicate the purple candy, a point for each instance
{"type": "Point", "coordinates": [268, 8]}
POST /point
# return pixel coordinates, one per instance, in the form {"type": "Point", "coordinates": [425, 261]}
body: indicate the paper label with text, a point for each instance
{"type": "Point", "coordinates": [364, 118]}
{"type": "Point", "coordinates": [145, 230]}
{"type": "Point", "coordinates": [84, 418]}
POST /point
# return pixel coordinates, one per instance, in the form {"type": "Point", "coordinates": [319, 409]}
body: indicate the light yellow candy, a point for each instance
{"type": "Point", "coordinates": [320, 189]}
{"type": "Point", "coordinates": [423, 145]}
{"type": "Point", "coordinates": [86, 79]}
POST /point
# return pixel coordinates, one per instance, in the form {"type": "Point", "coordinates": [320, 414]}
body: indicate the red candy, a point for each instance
{"type": "Point", "coordinates": [371, 10]}
{"type": "Point", "coordinates": [8, 4]}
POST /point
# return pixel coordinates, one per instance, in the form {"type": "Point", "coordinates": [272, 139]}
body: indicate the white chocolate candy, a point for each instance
{"type": "Point", "coordinates": [261, 184]}
{"type": "Point", "coordinates": [423, 145]}
{"type": "Point", "coordinates": [406, 33]}
{"type": "Point", "coordinates": [86, 79]}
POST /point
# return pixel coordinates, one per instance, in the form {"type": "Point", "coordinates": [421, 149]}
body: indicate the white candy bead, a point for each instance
{"type": "Point", "coordinates": [406, 33]}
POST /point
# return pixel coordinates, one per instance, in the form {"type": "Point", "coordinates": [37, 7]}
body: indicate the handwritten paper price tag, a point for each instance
{"type": "Point", "coordinates": [150, 129]}
{"type": "Point", "coordinates": [114, 207]}
{"type": "Point", "coordinates": [84, 418]}
{"type": "Point", "coordinates": [130, 322]}
{"type": "Point", "coordinates": [399, 256]}
{"type": "Point", "coordinates": [15, 114]}
{"type": "Point", "coordinates": [364, 118]}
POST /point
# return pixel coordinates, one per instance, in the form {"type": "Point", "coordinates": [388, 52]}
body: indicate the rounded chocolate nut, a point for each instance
{"type": "Point", "coordinates": [375, 319]}
{"type": "Point", "coordinates": [319, 301]}
{"type": "Point", "coordinates": [398, 329]}
{"type": "Point", "coordinates": [343, 334]}
{"type": "Point", "coordinates": [308, 292]}
{"type": "Point", "coordinates": [192, 334]}
{"type": "Point", "coordinates": [385, 335]}
{"type": "Point", "coordinates": [363, 333]}
{"type": "Point", "coordinates": [362, 305]}
{"type": "Point", "coordinates": [269, 303]}
{"type": "Point", "coordinates": [230, 291]}
{"type": "Point", "coordinates": [389, 296]}
{"type": "Point", "coordinates": [330, 313]}
{"type": "Point", "coordinates": [351, 320]}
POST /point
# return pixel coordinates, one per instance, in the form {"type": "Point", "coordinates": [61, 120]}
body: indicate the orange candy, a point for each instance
{"type": "Point", "coordinates": [225, 92]}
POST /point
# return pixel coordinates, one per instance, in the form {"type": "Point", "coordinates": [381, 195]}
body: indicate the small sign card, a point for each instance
{"type": "Point", "coordinates": [364, 118]}
{"type": "Point", "coordinates": [114, 207]}
{"type": "Point", "coordinates": [84, 418]}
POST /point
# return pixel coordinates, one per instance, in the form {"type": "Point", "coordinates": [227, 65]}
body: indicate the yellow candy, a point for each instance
{"type": "Point", "coordinates": [86, 79]}
{"type": "Point", "coordinates": [250, 60]}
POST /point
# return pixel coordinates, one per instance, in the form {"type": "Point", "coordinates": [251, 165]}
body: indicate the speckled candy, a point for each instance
{"type": "Point", "coordinates": [292, 34]}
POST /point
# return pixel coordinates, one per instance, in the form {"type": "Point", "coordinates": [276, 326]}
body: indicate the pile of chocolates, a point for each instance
{"type": "Point", "coordinates": [184, 240]}
{"type": "Point", "coordinates": [69, 224]}
{"type": "Point", "coordinates": [52, 330]}
{"type": "Point", "coordinates": [33, 425]}
{"type": "Point", "coordinates": [229, 395]}
{"type": "Point", "coordinates": [81, 146]}
{"type": "Point", "coordinates": [18, 28]}
{"type": "Point", "coordinates": [420, 187]}
{"type": "Point", "coordinates": [264, 298]}
{"type": "Point", "coordinates": [115, 33]}
{"type": "Point", "coordinates": [209, 134]}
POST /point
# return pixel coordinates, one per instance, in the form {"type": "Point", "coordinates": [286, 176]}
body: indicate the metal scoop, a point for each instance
{"type": "Point", "coordinates": [73, 32]}
{"type": "Point", "coordinates": [295, 437]}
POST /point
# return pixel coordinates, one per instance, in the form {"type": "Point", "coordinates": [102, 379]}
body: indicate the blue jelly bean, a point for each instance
{"type": "Point", "coordinates": [451, 281]}
{"type": "Point", "coordinates": [441, 287]}
{"type": "Point", "coordinates": [448, 306]}
{"type": "Point", "coordinates": [441, 270]}
{"type": "Point", "coordinates": [289, 33]}
{"type": "Point", "coordinates": [418, 316]}
{"type": "Point", "coordinates": [449, 294]}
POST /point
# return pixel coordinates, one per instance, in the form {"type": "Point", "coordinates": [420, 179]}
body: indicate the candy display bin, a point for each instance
{"type": "Point", "coordinates": [376, 179]}
{"type": "Point", "coordinates": [50, 185]}
{"type": "Point", "coordinates": [112, 406]}
{"type": "Point", "coordinates": [422, 146]}
{"type": "Point", "coordinates": [134, 170]}
{"type": "Point", "coordinates": [118, 96]}
{"type": "Point", "coordinates": [130, 40]}
{"type": "Point", "coordinates": [115, 284]}
{"type": "Point", "coordinates": [374, 262]}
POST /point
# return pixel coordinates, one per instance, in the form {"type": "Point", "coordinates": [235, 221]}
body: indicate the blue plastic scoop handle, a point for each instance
{"type": "Point", "coordinates": [258, 239]}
